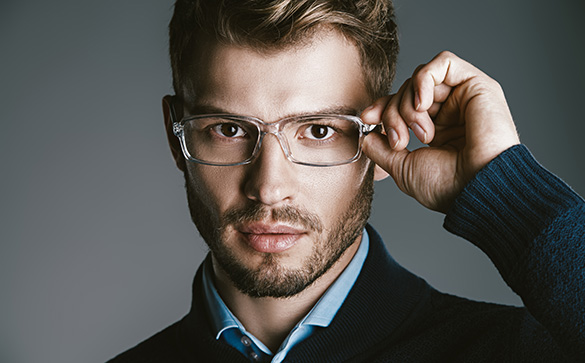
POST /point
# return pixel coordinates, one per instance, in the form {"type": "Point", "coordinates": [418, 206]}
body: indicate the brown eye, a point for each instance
{"type": "Point", "coordinates": [229, 130]}
{"type": "Point", "coordinates": [319, 131]}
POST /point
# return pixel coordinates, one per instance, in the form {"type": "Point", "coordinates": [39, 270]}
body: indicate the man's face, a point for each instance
{"type": "Point", "coordinates": [273, 226]}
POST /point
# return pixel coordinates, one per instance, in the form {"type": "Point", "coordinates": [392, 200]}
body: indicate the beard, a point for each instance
{"type": "Point", "coordinates": [270, 278]}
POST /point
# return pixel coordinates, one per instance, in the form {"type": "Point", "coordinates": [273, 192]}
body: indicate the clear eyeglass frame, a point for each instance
{"type": "Point", "coordinates": [275, 128]}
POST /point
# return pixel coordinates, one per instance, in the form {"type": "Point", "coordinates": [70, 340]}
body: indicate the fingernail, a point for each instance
{"type": "Point", "coordinates": [416, 100]}
{"type": "Point", "coordinates": [419, 132]}
{"type": "Point", "coordinates": [394, 139]}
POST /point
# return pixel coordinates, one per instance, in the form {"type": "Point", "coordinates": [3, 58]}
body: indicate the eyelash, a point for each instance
{"type": "Point", "coordinates": [215, 132]}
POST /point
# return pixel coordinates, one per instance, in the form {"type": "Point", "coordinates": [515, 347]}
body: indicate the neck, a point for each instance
{"type": "Point", "coordinates": [271, 319]}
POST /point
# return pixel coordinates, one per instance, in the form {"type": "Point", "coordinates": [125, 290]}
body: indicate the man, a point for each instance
{"type": "Point", "coordinates": [279, 172]}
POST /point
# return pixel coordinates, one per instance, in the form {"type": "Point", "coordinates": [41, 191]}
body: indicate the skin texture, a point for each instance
{"type": "Point", "coordinates": [455, 108]}
{"type": "Point", "coordinates": [329, 206]}
{"type": "Point", "coordinates": [459, 111]}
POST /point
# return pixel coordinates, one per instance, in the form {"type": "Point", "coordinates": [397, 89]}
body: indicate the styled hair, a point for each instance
{"type": "Point", "coordinates": [276, 24]}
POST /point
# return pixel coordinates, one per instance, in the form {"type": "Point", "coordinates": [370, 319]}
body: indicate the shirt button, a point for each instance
{"type": "Point", "coordinates": [246, 341]}
{"type": "Point", "coordinates": [254, 356]}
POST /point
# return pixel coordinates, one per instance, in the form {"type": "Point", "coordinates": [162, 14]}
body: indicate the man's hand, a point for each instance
{"type": "Point", "coordinates": [458, 111]}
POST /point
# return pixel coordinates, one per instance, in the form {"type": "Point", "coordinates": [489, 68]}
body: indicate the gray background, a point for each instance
{"type": "Point", "coordinates": [97, 249]}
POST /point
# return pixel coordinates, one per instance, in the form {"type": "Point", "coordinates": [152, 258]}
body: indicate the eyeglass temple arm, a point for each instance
{"type": "Point", "coordinates": [177, 128]}
{"type": "Point", "coordinates": [172, 109]}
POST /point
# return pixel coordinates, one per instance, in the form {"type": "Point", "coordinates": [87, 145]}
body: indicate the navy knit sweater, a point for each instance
{"type": "Point", "coordinates": [530, 224]}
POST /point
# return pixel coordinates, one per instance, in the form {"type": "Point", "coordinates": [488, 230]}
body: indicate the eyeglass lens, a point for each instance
{"type": "Point", "coordinates": [322, 140]}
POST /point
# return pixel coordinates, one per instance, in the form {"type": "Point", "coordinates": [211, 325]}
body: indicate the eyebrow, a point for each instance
{"type": "Point", "coordinates": [201, 109]}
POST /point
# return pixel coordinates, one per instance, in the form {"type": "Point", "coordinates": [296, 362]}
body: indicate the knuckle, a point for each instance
{"type": "Point", "coordinates": [447, 54]}
{"type": "Point", "coordinates": [495, 84]}
{"type": "Point", "coordinates": [420, 76]}
{"type": "Point", "coordinates": [421, 73]}
{"type": "Point", "coordinates": [489, 84]}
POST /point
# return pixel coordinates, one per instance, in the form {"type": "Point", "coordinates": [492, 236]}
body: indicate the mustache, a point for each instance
{"type": "Point", "coordinates": [288, 214]}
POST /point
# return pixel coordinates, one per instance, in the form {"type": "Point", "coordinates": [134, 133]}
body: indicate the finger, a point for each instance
{"type": "Point", "coordinates": [449, 114]}
{"type": "Point", "coordinates": [395, 126]}
{"type": "Point", "coordinates": [372, 115]}
{"type": "Point", "coordinates": [385, 110]}
{"type": "Point", "coordinates": [446, 68]}
{"type": "Point", "coordinates": [441, 92]}
{"type": "Point", "coordinates": [434, 109]}
{"type": "Point", "coordinates": [419, 122]}
{"type": "Point", "coordinates": [377, 148]}
{"type": "Point", "coordinates": [452, 136]}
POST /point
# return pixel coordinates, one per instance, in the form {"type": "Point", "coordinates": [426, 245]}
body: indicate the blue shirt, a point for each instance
{"type": "Point", "coordinates": [229, 329]}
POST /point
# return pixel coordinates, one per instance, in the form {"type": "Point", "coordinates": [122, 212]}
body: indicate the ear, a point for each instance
{"type": "Point", "coordinates": [174, 143]}
{"type": "Point", "coordinates": [379, 173]}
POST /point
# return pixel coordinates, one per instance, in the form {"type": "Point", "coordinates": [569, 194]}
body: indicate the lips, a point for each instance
{"type": "Point", "coordinates": [270, 238]}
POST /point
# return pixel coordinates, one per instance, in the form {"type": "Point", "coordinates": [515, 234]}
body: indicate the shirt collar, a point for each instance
{"type": "Point", "coordinates": [221, 317]}
{"type": "Point", "coordinates": [322, 313]}
{"type": "Point", "coordinates": [326, 308]}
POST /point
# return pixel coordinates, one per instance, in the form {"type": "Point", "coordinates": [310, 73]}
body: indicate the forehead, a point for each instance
{"type": "Point", "coordinates": [322, 73]}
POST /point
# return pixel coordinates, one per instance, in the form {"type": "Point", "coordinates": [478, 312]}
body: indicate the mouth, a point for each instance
{"type": "Point", "coordinates": [270, 238]}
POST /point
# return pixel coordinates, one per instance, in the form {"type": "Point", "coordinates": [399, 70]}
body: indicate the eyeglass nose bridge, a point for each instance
{"type": "Point", "coordinates": [272, 129]}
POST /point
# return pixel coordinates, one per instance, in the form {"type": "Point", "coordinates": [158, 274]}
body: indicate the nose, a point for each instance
{"type": "Point", "coordinates": [270, 179]}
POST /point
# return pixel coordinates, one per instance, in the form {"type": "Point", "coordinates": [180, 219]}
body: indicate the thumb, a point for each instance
{"type": "Point", "coordinates": [377, 148]}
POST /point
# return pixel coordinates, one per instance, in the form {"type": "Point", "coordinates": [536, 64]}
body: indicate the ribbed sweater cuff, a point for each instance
{"type": "Point", "coordinates": [507, 205]}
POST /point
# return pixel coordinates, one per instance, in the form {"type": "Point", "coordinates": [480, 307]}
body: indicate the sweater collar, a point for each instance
{"type": "Point", "coordinates": [383, 297]}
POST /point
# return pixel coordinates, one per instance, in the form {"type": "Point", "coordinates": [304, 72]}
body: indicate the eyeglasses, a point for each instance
{"type": "Point", "coordinates": [313, 140]}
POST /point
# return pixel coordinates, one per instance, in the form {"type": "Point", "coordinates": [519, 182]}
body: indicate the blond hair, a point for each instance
{"type": "Point", "coordinates": [276, 24]}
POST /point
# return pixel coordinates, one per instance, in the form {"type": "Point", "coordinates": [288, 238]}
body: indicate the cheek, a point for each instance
{"type": "Point", "coordinates": [217, 187]}
{"type": "Point", "coordinates": [324, 191]}
{"type": "Point", "coordinates": [330, 191]}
